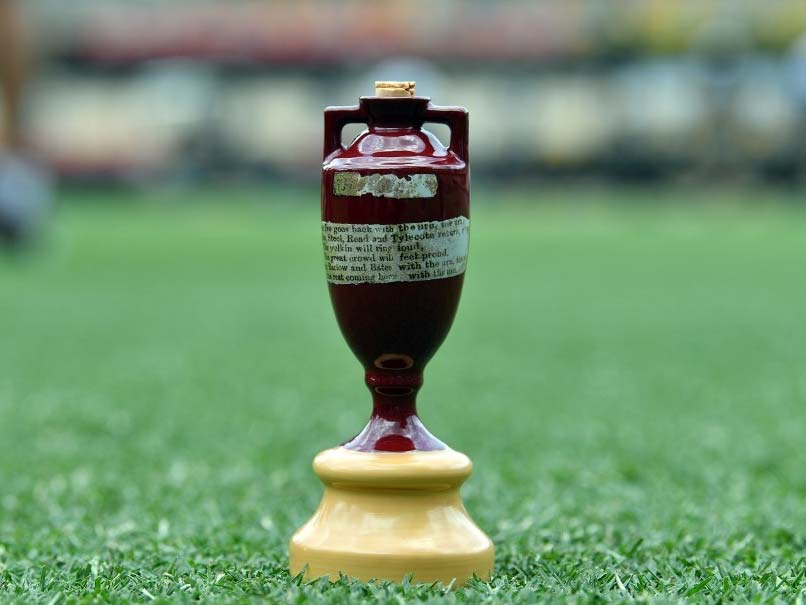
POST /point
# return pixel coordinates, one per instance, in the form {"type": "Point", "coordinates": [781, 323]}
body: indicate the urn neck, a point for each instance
{"type": "Point", "coordinates": [394, 112]}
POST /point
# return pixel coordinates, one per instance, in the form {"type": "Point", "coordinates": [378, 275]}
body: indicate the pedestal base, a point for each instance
{"type": "Point", "coordinates": [385, 515]}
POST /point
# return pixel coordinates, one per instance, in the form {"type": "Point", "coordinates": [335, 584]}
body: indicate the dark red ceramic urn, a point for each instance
{"type": "Point", "coordinates": [395, 230]}
{"type": "Point", "coordinates": [395, 221]}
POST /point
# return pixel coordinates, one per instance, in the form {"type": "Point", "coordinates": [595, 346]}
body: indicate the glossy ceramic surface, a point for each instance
{"type": "Point", "coordinates": [391, 505]}
{"type": "Point", "coordinates": [395, 328]}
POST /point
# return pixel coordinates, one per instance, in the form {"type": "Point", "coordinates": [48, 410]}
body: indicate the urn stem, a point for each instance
{"type": "Point", "coordinates": [394, 425]}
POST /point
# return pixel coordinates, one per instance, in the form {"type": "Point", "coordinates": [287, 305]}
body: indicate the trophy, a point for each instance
{"type": "Point", "coordinates": [395, 218]}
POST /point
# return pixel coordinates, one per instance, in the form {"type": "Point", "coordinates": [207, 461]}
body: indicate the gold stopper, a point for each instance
{"type": "Point", "coordinates": [394, 89]}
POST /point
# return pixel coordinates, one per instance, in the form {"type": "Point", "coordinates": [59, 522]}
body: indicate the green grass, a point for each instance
{"type": "Point", "coordinates": [627, 371]}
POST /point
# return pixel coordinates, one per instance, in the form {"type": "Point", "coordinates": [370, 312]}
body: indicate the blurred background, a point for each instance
{"type": "Point", "coordinates": [624, 91]}
{"type": "Point", "coordinates": [626, 366]}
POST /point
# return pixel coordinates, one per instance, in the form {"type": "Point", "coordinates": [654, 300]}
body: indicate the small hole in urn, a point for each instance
{"type": "Point", "coordinates": [441, 131]}
{"type": "Point", "coordinates": [350, 133]}
{"type": "Point", "coordinates": [394, 391]}
{"type": "Point", "coordinates": [393, 361]}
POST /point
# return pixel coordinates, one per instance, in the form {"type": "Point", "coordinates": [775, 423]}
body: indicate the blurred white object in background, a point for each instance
{"type": "Point", "coordinates": [572, 119]}
{"type": "Point", "coordinates": [91, 124]}
{"type": "Point", "coordinates": [95, 125]}
{"type": "Point", "coordinates": [274, 120]}
{"type": "Point", "coordinates": [765, 115]}
{"type": "Point", "coordinates": [662, 106]}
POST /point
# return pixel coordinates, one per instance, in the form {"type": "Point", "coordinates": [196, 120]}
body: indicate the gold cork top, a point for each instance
{"type": "Point", "coordinates": [394, 89]}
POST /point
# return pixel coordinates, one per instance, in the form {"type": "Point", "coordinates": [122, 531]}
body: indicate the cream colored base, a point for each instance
{"type": "Point", "coordinates": [385, 515]}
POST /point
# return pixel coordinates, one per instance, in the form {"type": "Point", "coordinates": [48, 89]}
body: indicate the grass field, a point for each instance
{"type": "Point", "coordinates": [627, 371]}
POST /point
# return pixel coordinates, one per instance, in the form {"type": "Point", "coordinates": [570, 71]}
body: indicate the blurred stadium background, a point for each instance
{"type": "Point", "coordinates": [626, 368]}
{"type": "Point", "coordinates": [629, 90]}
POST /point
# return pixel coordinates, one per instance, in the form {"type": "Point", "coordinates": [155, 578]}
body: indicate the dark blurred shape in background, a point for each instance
{"type": "Point", "coordinates": [628, 90]}
{"type": "Point", "coordinates": [24, 185]}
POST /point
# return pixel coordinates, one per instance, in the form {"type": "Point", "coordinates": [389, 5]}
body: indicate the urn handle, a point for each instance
{"type": "Point", "coordinates": [454, 118]}
{"type": "Point", "coordinates": [336, 118]}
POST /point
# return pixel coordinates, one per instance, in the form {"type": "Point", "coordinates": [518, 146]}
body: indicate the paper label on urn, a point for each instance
{"type": "Point", "coordinates": [352, 184]}
{"type": "Point", "coordinates": [379, 254]}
